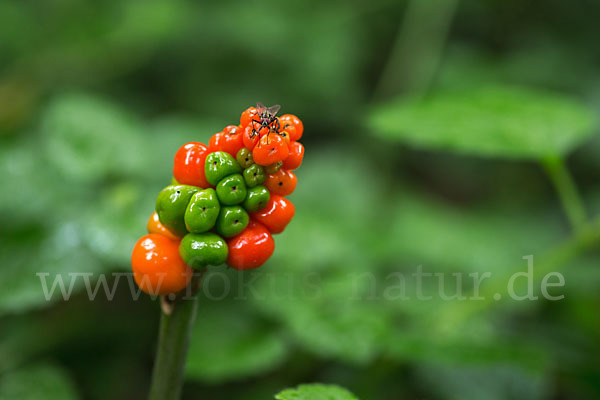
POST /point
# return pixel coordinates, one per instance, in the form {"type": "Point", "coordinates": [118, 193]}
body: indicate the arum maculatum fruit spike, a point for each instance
{"type": "Point", "coordinates": [225, 202]}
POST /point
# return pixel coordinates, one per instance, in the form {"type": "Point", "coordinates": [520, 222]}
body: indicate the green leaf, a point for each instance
{"type": "Point", "coordinates": [58, 255]}
{"type": "Point", "coordinates": [41, 381]}
{"type": "Point", "coordinates": [316, 391]}
{"type": "Point", "coordinates": [492, 121]}
{"type": "Point", "coordinates": [225, 347]}
{"type": "Point", "coordinates": [88, 138]}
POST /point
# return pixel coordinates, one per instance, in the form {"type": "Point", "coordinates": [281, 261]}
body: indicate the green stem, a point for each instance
{"type": "Point", "coordinates": [417, 50]}
{"type": "Point", "coordinates": [567, 191]}
{"type": "Point", "coordinates": [176, 323]}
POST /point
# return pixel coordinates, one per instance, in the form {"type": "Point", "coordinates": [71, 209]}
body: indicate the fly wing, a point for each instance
{"type": "Point", "coordinates": [273, 110]}
{"type": "Point", "coordinates": [260, 107]}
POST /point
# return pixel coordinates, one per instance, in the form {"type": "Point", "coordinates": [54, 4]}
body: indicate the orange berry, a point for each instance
{"type": "Point", "coordinates": [270, 149]}
{"type": "Point", "coordinates": [289, 119]}
{"type": "Point", "coordinates": [295, 156]}
{"type": "Point", "coordinates": [248, 115]}
{"type": "Point", "coordinates": [232, 140]}
{"type": "Point", "coordinates": [278, 212]}
{"type": "Point", "coordinates": [158, 269]}
{"type": "Point", "coordinates": [282, 182]}
{"type": "Point", "coordinates": [154, 226]}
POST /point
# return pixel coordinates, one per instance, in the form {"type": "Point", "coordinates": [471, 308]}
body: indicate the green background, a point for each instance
{"type": "Point", "coordinates": [429, 128]}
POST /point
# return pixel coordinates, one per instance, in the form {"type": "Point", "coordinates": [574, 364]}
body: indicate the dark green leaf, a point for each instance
{"type": "Point", "coordinates": [492, 121]}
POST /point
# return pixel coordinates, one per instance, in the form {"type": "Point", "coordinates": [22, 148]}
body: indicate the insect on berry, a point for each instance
{"type": "Point", "coordinates": [266, 118]}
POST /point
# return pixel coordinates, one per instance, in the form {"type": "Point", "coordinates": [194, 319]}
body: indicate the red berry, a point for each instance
{"type": "Point", "coordinates": [278, 212]}
{"type": "Point", "coordinates": [188, 167]}
{"type": "Point", "coordinates": [289, 119]}
{"type": "Point", "coordinates": [285, 135]}
{"type": "Point", "coordinates": [251, 248]}
{"type": "Point", "coordinates": [248, 115]}
{"type": "Point", "coordinates": [215, 142]}
{"type": "Point", "coordinates": [232, 139]}
{"type": "Point", "coordinates": [249, 139]}
{"type": "Point", "coordinates": [282, 182]}
{"type": "Point", "coordinates": [270, 149]}
{"type": "Point", "coordinates": [295, 156]}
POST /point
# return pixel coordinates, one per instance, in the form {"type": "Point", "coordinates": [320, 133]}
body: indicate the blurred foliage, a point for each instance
{"type": "Point", "coordinates": [96, 97]}
{"type": "Point", "coordinates": [491, 121]}
{"type": "Point", "coordinates": [315, 392]}
{"type": "Point", "coordinates": [37, 382]}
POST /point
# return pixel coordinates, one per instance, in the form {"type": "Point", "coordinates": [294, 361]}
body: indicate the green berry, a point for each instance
{"type": "Point", "coordinates": [218, 165]}
{"type": "Point", "coordinates": [244, 157]}
{"type": "Point", "coordinates": [171, 204]}
{"type": "Point", "coordinates": [256, 199]}
{"type": "Point", "coordinates": [254, 175]}
{"type": "Point", "coordinates": [271, 169]}
{"type": "Point", "coordinates": [201, 249]}
{"type": "Point", "coordinates": [202, 211]}
{"type": "Point", "coordinates": [231, 221]}
{"type": "Point", "coordinates": [231, 190]}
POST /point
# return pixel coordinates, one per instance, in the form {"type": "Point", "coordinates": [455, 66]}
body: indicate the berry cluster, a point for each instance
{"type": "Point", "coordinates": [225, 202]}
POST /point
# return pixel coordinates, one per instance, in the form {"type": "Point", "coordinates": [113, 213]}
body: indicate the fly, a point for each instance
{"type": "Point", "coordinates": [266, 118]}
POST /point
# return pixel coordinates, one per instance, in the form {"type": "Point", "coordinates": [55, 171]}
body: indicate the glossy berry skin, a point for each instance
{"type": "Point", "coordinates": [256, 199]}
{"type": "Point", "coordinates": [219, 165]}
{"type": "Point", "coordinates": [201, 249]}
{"type": "Point", "coordinates": [215, 142]}
{"type": "Point", "coordinates": [287, 126]}
{"type": "Point", "coordinates": [288, 119]}
{"type": "Point", "coordinates": [249, 138]}
{"type": "Point", "coordinates": [202, 211]}
{"type": "Point", "coordinates": [295, 156]}
{"type": "Point", "coordinates": [232, 220]}
{"type": "Point", "coordinates": [282, 182]}
{"type": "Point", "coordinates": [158, 269]}
{"type": "Point", "coordinates": [154, 226]}
{"type": "Point", "coordinates": [231, 190]}
{"type": "Point", "coordinates": [254, 175]}
{"type": "Point", "coordinates": [232, 139]}
{"type": "Point", "coordinates": [171, 204]}
{"type": "Point", "coordinates": [248, 115]}
{"type": "Point", "coordinates": [251, 248]}
{"type": "Point", "coordinates": [270, 149]}
{"type": "Point", "coordinates": [244, 157]}
{"type": "Point", "coordinates": [285, 136]}
{"type": "Point", "coordinates": [188, 166]}
{"type": "Point", "coordinates": [278, 212]}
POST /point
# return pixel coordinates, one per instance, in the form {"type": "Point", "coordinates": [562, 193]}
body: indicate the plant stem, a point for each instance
{"type": "Point", "coordinates": [567, 191]}
{"type": "Point", "coordinates": [417, 50]}
{"type": "Point", "coordinates": [176, 321]}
